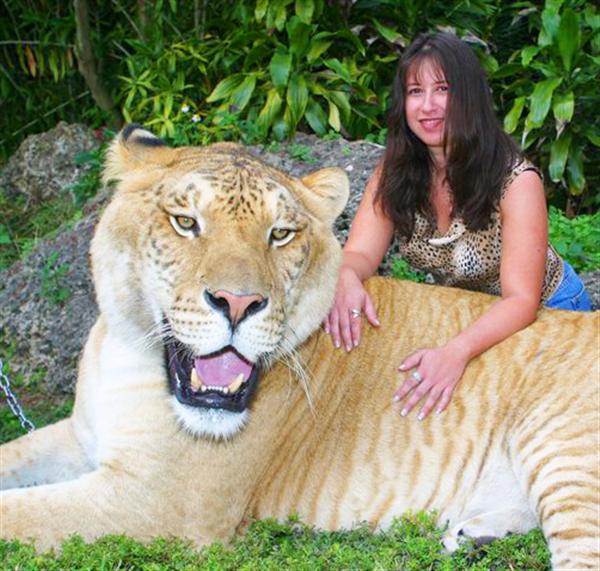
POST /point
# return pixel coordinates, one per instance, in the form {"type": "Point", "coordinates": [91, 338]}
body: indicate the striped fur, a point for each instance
{"type": "Point", "coordinates": [518, 446]}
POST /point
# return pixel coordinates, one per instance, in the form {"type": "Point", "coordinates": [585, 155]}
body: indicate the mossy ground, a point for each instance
{"type": "Point", "coordinates": [412, 543]}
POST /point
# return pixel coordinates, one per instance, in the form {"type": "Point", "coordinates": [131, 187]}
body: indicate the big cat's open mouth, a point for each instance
{"type": "Point", "coordinates": [223, 380]}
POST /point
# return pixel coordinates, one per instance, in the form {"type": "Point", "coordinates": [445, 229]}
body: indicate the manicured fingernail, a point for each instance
{"type": "Point", "coordinates": [403, 412]}
{"type": "Point", "coordinates": [337, 344]}
{"type": "Point", "coordinates": [421, 416]}
{"type": "Point", "coordinates": [356, 342]}
{"type": "Point", "coordinates": [402, 367]}
{"type": "Point", "coordinates": [439, 411]}
{"type": "Point", "coordinates": [348, 348]}
{"type": "Point", "coordinates": [327, 330]}
{"type": "Point", "coordinates": [377, 322]}
{"type": "Point", "coordinates": [396, 398]}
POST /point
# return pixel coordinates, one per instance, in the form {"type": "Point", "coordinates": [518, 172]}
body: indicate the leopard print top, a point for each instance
{"type": "Point", "coordinates": [468, 259]}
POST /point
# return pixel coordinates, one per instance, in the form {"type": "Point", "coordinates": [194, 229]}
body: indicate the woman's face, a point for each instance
{"type": "Point", "coordinates": [425, 103]}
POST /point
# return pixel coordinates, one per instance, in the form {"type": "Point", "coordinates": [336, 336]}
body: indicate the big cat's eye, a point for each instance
{"type": "Point", "coordinates": [185, 225]}
{"type": "Point", "coordinates": [281, 236]}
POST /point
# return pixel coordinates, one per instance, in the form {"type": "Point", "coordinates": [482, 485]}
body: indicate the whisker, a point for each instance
{"type": "Point", "coordinates": [288, 355]}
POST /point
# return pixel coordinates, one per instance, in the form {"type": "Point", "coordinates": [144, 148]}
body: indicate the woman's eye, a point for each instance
{"type": "Point", "coordinates": [184, 225]}
{"type": "Point", "coordinates": [281, 236]}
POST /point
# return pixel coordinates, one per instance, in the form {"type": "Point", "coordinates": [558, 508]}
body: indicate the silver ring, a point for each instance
{"type": "Point", "coordinates": [416, 376]}
{"type": "Point", "coordinates": [355, 313]}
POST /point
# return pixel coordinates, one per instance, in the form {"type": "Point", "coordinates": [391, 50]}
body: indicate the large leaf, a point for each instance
{"type": "Point", "coordinates": [281, 13]}
{"type": "Point", "coordinates": [242, 94]}
{"type": "Point", "coordinates": [224, 88]}
{"type": "Point", "coordinates": [342, 102]}
{"type": "Point", "coordinates": [266, 117]}
{"type": "Point", "coordinates": [559, 151]}
{"type": "Point", "coordinates": [390, 34]}
{"type": "Point", "coordinates": [280, 129]}
{"type": "Point", "coordinates": [528, 53]}
{"type": "Point", "coordinates": [299, 36]}
{"type": "Point", "coordinates": [280, 66]}
{"type": "Point", "coordinates": [507, 70]}
{"type": "Point", "coordinates": [512, 117]}
{"type": "Point", "coordinates": [261, 9]}
{"type": "Point", "coordinates": [316, 117]}
{"type": "Point", "coordinates": [297, 97]}
{"type": "Point", "coordinates": [334, 116]}
{"type": "Point", "coordinates": [305, 10]}
{"type": "Point", "coordinates": [318, 46]}
{"type": "Point", "coordinates": [540, 100]}
{"type": "Point", "coordinates": [593, 138]}
{"type": "Point", "coordinates": [569, 37]}
{"type": "Point", "coordinates": [342, 71]}
{"type": "Point", "coordinates": [575, 171]}
{"type": "Point", "coordinates": [550, 23]}
{"type": "Point", "coordinates": [563, 106]}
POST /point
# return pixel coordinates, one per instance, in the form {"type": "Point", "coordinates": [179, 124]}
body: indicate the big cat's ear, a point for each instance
{"type": "Point", "coordinates": [135, 149]}
{"type": "Point", "coordinates": [326, 193]}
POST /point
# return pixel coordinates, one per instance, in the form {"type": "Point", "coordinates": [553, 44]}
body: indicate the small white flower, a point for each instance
{"type": "Point", "coordinates": [195, 118]}
{"type": "Point", "coordinates": [185, 108]}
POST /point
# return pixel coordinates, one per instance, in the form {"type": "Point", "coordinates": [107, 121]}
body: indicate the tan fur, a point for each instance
{"type": "Point", "coordinates": [517, 447]}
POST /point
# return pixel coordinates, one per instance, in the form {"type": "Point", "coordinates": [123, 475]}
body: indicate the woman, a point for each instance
{"type": "Point", "coordinates": [466, 207]}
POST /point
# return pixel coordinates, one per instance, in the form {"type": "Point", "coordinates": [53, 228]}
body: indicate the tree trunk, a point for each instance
{"type": "Point", "coordinates": [87, 64]}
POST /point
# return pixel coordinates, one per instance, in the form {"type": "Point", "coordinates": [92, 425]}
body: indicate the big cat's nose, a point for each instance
{"type": "Point", "coordinates": [235, 307]}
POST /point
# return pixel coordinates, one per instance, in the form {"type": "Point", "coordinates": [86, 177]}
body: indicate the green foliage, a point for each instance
{"type": "Point", "coordinates": [552, 89]}
{"type": "Point", "coordinates": [88, 184]}
{"type": "Point", "coordinates": [53, 286]}
{"type": "Point", "coordinates": [39, 406]}
{"type": "Point", "coordinates": [301, 153]}
{"type": "Point", "coordinates": [401, 270]}
{"type": "Point", "coordinates": [39, 82]}
{"type": "Point", "coordinates": [254, 70]}
{"type": "Point", "coordinates": [577, 240]}
{"type": "Point", "coordinates": [411, 543]}
{"type": "Point", "coordinates": [23, 225]}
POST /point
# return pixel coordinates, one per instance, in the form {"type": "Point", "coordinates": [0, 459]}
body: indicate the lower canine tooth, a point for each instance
{"type": "Point", "coordinates": [236, 384]}
{"type": "Point", "coordinates": [195, 380]}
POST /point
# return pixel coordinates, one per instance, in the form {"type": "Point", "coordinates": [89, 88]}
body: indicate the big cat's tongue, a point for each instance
{"type": "Point", "coordinates": [221, 369]}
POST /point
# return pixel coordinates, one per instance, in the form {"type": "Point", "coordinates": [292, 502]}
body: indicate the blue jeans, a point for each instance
{"type": "Point", "coordinates": [570, 293]}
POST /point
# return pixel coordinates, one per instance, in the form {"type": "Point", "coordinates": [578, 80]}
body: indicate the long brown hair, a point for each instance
{"type": "Point", "coordinates": [478, 152]}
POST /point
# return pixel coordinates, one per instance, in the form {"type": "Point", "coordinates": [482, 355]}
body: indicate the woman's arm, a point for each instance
{"type": "Point", "coordinates": [524, 244]}
{"type": "Point", "coordinates": [369, 238]}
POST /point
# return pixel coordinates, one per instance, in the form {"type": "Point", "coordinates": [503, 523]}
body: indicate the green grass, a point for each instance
{"type": "Point", "coordinates": [39, 405]}
{"type": "Point", "coordinates": [577, 240]}
{"type": "Point", "coordinates": [411, 543]}
{"type": "Point", "coordinates": [22, 225]}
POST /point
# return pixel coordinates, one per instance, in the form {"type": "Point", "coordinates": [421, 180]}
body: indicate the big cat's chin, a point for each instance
{"type": "Point", "coordinates": [211, 423]}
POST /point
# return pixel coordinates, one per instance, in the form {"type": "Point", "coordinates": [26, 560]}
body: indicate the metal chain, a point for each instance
{"type": "Point", "coordinates": [12, 401]}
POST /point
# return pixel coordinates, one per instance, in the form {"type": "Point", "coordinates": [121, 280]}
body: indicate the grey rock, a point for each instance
{"type": "Point", "coordinates": [44, 165]}
{"type": "Point", "coordinates": [49, 333]}
{"type": "Point", "coordinates": [591, 281]}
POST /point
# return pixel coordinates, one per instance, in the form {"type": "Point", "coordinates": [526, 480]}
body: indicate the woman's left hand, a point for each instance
{"type": "Point", "coordinates": [434, 376]}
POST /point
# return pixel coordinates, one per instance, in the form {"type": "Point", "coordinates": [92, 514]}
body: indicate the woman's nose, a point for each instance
{"type": "Point", "coordinates": [428, 101]}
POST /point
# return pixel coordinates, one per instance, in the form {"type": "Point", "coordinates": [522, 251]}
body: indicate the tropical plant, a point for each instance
{"type": "Point", "coordinates": [553, 85]}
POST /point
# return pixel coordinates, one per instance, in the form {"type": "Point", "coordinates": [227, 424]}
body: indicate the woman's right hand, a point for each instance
{"type": "Point", "coordinates": [343, 322]}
